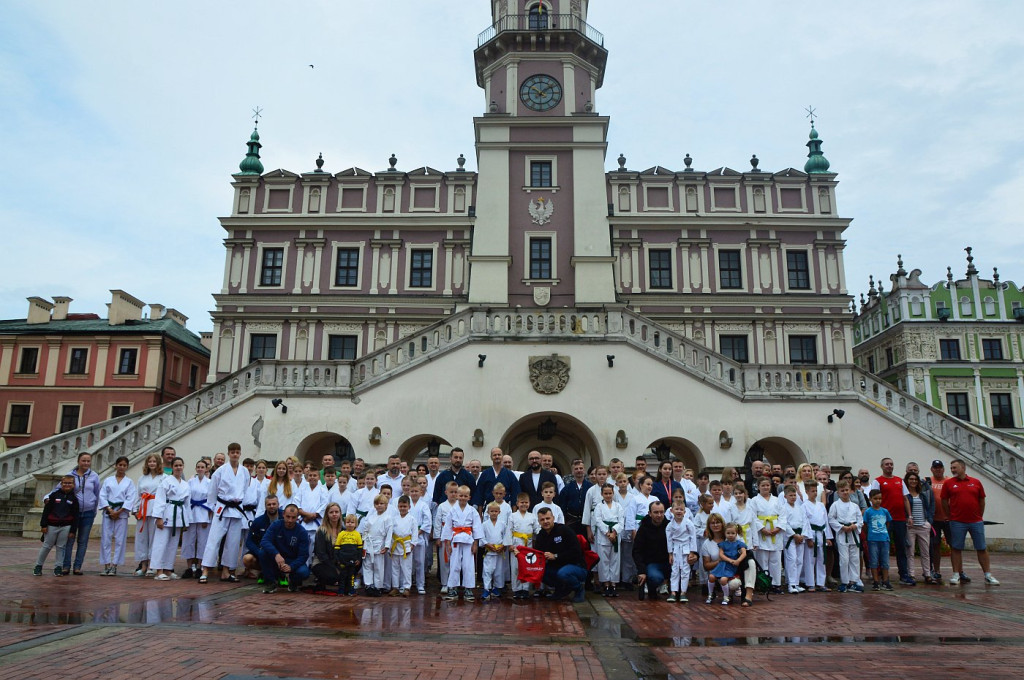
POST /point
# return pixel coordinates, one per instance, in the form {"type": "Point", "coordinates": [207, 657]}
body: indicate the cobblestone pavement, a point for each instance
{"type": "Point", "coordinates": [93, 627]}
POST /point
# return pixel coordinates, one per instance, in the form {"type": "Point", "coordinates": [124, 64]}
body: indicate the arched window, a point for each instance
{"type": "Point", "coordinates": [538, 17]}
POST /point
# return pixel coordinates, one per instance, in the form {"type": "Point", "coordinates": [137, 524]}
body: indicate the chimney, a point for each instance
{"type": "Point", "coordinates": [206, 338]}
{"type": "Point", "coordinates": [156, 311]}
{"type": "Point", "coordinates": [123, 308]}
{"type": "Point", "coordinates": [38, 310]}
{"type": "Point", "coordinates": [176, 316]}
{"type": "Point", "coordinates": [60, 307]}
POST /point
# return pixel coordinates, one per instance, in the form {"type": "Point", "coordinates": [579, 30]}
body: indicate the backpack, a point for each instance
{"type": "Point", "coordinates": [762, 581]}
{"type": "Point", "coordinates": [590, 558]}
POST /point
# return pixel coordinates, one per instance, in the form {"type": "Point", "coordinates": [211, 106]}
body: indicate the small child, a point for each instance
{"type": "Point", "coordinates": [681, 540]}
{"type": "Point", "coordinates": [796, 528]}
{"type": "Point", "coordinates": [820, 536]}
{"type": "Point", "coordinates": [460, 533]}
{"type": "Point", "coordinates": [348, 548]}
{"type": "Point", "coordinates": [420, 509]}
{"type": "Point", "coordinates": [493, 540]}
{"type": "Point", "coordinates": [719, 505]}
{"type": "Point", "coordinates": [362, 500]}
{"type": "Point", "coordinates": [607, 521]}
{"type": "Point", "coordinates": [624, 497]}
{"type": "Point", "coordinates": [523, 526]}
{"type": "Point", "coordinates": [700, 524]}
{"type": "Point", "coordinates": [404, 530]}
{"type": "Point", "coordinates": [498, 491]}
{"type": "Point", "coordinates": [732, 551]}
{"type": "Point", "coordinates": [743, 515]}
{"type": "Point", "coordinates": [877, 519]}
{"type": "Point", "coordinates": [444, 508]}
{"type": "Point", "coordinates": [376, 529]}
{"type": "Point", "coordinates": [547, 493]}
{"type": "Point", "coordinates": [58, 523]}
{"type": "Point", "coordinates": [845, 520]}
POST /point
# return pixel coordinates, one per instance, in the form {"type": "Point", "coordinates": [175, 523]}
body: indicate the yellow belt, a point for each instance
{"type": "Point", "coordinates": [743, 531]}
{"type": "Point", "coordinates": [525, 538]}
{"type": "Point", "coordinates": [403, 543]}
{"type": "Point", "coordinates": [769, 522]}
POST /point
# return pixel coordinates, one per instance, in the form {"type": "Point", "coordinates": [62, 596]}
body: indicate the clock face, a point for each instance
{"type": "Point", "coordinates": [540, 93]}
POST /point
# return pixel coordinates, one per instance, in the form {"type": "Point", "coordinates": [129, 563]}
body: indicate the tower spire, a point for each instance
{"type": "Point", "coordinates": [816, 161]}
{"type": "Point", "coordinates": [251, 164]}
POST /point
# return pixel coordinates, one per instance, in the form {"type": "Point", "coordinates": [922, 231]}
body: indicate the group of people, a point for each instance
{"type": "Point", "coordinates": [351, 527]}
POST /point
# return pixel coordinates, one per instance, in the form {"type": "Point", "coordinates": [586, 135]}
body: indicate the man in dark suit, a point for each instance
{"type": "Point", "coordinates": [533, 479]}
{"type": "Point", "coordinates": [456, 473]}
{"type": "Point", "coordinates": [484, 493]}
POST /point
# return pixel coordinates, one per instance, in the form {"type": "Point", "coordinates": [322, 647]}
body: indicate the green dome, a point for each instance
{"type": "Point", "coordinates": [251, 164]}
{"type": "Point", "coordinates": [816, 161]}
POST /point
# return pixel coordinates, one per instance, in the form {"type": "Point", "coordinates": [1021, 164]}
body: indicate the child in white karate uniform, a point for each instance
{"type": "Point", "coordinates": [547, 493]}
{"type": "Point", "coordinates": [607, 525]}
{"type": "Point", "coordinates": [743, 516]}
{"type": "Point", "coordinates": [498, 491]}
{"type": "Point", "coordinates": [523, 526]}
{"type": "Point", "coordinates": [494, 541]}
{"type": "Point", "coordinates": [792, 514]}
{"type": "Point", "coordinates": [624, 495]}
{"type": "Point", "coordinates": [375, 529]}
{"type": "Point", "coordinates": [312, 500]}
{"type": "Point", "coordinates": [700, 523]}
{"type": "Point", "coordinates": [145, 521]}
{"type": "Point", "coordinates": [227, 489]}
{"type": "Point", "coordinates": [399, 543]}
{"type": "Point", "coordinates": [820, 536]}
{"type": "Point", "coordinates": [769, 524]}
{"type": "Point", "coordinates": [118, 497]}
{"type": "Point", "coordinates": [681, 540]}
{"type": "Point", "coordinates": [420, 510]}
{"type": "Point", "coordinates": [361, 503]}
{"type": "Point", "coordinates": [845, 520]}
{"type": "Point", "coordinates": [193, 539]}
{"type": "Point", "coordinates": [173, 512]}
{"type": "Point", "coordinates": [461, 532]}
{"type": "Point", "coordinates": [444, 508]}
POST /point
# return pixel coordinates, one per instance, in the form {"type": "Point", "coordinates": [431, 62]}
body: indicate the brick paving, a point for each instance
{"type": "Point", "coordinates": [94, 627]}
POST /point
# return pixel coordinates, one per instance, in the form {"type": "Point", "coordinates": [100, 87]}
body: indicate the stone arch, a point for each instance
{"type": "Point", "coordinates": [316, 445]}
{"type": "Point", "coordinates": [414, 449]}
{"type": "Point", "coordinates": [680, 448]}
{"type": "Point", "coordinates": [571, 439]}
{"type": "Point", "coordinates": [782, 451]}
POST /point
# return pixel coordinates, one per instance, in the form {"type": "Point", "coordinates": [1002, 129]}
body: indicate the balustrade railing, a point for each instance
{"type": "Point", "coordinates": [540, 23]}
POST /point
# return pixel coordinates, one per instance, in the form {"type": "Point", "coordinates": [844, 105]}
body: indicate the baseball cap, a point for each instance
{"type": "Point", "coordinates": [938, 463]}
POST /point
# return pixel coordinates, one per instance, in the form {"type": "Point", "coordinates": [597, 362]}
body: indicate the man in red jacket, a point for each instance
{"type": "Point", "coordinates": [963, 499]}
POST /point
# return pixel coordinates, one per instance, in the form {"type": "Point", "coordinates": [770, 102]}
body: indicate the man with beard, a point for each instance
{"type": "Point", "coordinates": [456, 473]}
{"type": "Point", "coordinates": [394, 475]}
{"type": "Point", "coordinates": [534, 477]}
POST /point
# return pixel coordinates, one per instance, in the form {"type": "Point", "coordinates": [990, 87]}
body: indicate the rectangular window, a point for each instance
{"type": "Point", "coordinates": [262, 346]}
{"type": "Point", "coordinates": [193, 376]}
{"type": "Point", "coordinates": [69, 415]}
{"type": "Point", "coordinates": [1002, 412]}
{"type": "Point", "coordinates": [735, 347]}
{"type": "Point", "coordinates": [341, 347]}
{"type": "Point", "coordinates": [992, 348]}
{"type": "Point", "coordinates": [949, 350]}
{"type": "Point", "coordinates": [802, 349]}
{"type": "Point", "coordinates": [118, 411]}
{"type": "Point", "coordinates": [661, 267]}
{"type": "Point", "coordinates": [956, 405]}
{"type": "Point", "coordinates": [871, 364]}
{"type": "Point", "coordinates": [126, 363]}
{"type": "Point", "coordinates": [273, 265]}
{"type": "Point", "coordinates": [729, 273]}
{"type": "Point", "coordinates": [29, 360]}
{"type": "Point", "coordinates": [79, 361]}
{"type": "Point", "coordinates": [18, 421]}
{"type": "Point", "coordinates": [797, 268]}
{"type": "Point", "coordinates": [347, 273]}
{"type": "Point", "coordinates": [540, 258]}
{"type": "Point", "coordinates": [421, 269]}
{"type": "Point", "coordinates": [540, 173]}
{"type": "Point", "coordinates": [888, 357]}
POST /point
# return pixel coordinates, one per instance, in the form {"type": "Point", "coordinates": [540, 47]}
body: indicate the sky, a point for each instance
{"type": "Point", "coordinates": [122, 122]}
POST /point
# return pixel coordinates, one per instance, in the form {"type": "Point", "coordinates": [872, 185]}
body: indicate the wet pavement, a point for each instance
{"type": "Point", "coordinates": [94, 627]}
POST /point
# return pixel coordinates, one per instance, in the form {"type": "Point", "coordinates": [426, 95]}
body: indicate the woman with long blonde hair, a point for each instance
{"type": "Point", "coordinates": [281, 485]}
{"type": "Point", "coordinates": [149, 482]}
{"type": "Point", "coordinates": [326, 568]}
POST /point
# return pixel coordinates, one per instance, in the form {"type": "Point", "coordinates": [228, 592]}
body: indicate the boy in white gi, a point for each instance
{"type": "Point", "coordinates": [312, 499]}
{"type": "Point", "coordinates": [404, 531]}
{"type": "Point", "coordinates": [700, 523]}
{"type": "Point", "coordinates": [451, 491]}
{"type": "Point", "coordinates": [420, 510]}
{"type": "Point", "coordinates": [820, 536]}
{"type": "Point", "coordinates": [771, 531]}
{"type": "Point", "coordinates": [117, 498]}
{"type": "Point", "coordinates": [376, 530]}
{"type": "Point", "coordinates": [523, 526]}
{"type": "Point", "coordinates": [461, 532]}
{"type": "Point", "coordinates": [227, 492]}
{"type": "Point", "coordinates": [681, 540]}
{"type": "Point", "coordinates": [498, 491]}
{"type": "Point", "coordinates": [846, 521]}
{"type": "Point", "coordinates": [593, 498]}
{"type": "Point", "coordinates": [795, 530]}
{"type": "Point", "coordinates": [607, 524]}
{"type": "Point", "coordinates": [361, 502]}
{"type": "Point", "coordinates": [547, 493]}
{"type": "Point", "coordinates": [719, 504]}
{"type": "Point", "coordinates": [494, 541]}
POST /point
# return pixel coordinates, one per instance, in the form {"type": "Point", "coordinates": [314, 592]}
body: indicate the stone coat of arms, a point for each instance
{"type": "Point", "coordinates": [549, 374]}
{"type": "Point", "coordinates": [541, 210]}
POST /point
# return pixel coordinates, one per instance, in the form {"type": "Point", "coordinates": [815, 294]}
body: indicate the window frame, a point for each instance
{"type": "Point", "coordinates": [665, 273]}
{"type": "Point", "coordinates": [265, 268]}
{"type": "Point", "coordinates": [27, 418]}
{"type": "Point", "coordinates": [35, 361]}
{"type": "Point", "coordinates": [343, 337]}
{"type": "Point", "coordinates": [722, 339]}
{"type": "Point", "coordinates": [536, 182]}
{"type": "Point", "coordinates": [351, 270]}
{"type": "Point", "coordinates": [1006, 416]}
{"type": "Point", "coordinates": [425, 274]}
{"type": "Point", "coordinates": [987, 344]}
{"type": "Point", "coordinates": [803, 339]}
{"type": "Point", "coordinates": [62, 416]}
{"type": "Point", "coordinates": [262, 337]}
{"type": "Point", "coordinates": [944, 344]}
{"type": "Point", "coordinates": [722, 269]}
{"type": "Point", "coordinates": [538, 262]}
{"type": "Point", "coordinates": [122, 354]}
{"type": "Point", "coordinates": [74, 359]}
{"type": "Point", "coordinates": [791, 270]}
{"type": "Point", "coordinates": [962, 401]}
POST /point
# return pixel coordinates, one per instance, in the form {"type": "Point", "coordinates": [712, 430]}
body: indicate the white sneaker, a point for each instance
{"type": "Point", "coordinates": [174, 577]}
{"type": "Point", "coordinates": [991, 580]}
{"type": "Point", "coordinates": [422, 591]}
{"type": "Point", "coordinates": [139, 572]}
{"type": "Point", "coordinates": [444, 590]}
{"type": "Point", "coordinates": [954, 580]}
{"type": "Point", "coordinates": [151, 572]}
{"type": "Point", "coordinates": [162, 577]}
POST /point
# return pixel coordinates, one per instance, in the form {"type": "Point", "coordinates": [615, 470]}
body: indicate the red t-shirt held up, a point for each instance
{"type": "Point", "coordinates": [531, 565]}
{"type": "Point", "coordinates": [964, 496]}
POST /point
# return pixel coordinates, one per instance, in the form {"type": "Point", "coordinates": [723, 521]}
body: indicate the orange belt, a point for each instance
{"type": "Point", "coordinates": [143, 511]}
{"type": "Point", "coordinates": [463, 530]}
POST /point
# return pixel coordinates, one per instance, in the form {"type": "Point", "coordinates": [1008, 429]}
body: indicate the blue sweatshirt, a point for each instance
{"type": "Point", "coordinates": [292, 544]}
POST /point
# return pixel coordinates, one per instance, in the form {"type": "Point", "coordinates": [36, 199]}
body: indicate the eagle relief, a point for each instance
{"type": "Point", "coordinates": [549, 374]}
{"type": "Point", "coordinates": [541, 210]}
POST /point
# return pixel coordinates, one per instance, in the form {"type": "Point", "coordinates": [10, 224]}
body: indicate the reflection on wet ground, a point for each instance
{"type": "Point", "coordinates": [161, 610]}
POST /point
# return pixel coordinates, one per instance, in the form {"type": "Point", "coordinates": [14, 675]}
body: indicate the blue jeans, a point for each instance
{"type": "Point", "coordinates": [657, 573]}
{"type": "Point", "coordinates": [271, 574]}
{"type": "Point", "coordinates": [567, 577]}
{"type": "Point", "coordinates": [85, 520]}
{"type": "Point", "coordinates": [878, 554]}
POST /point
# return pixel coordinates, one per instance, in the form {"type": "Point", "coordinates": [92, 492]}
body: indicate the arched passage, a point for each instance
{"type": "Point", "coordinates": [415, 449]}
{"type": "Point", "coordinates": [779, 451]}
{"type": "Point", "coordinates": [315, 446]}
{"type": "Point", "coordinates": [559, 434]}
{"type": "Point", "coordinates": [678, 448]}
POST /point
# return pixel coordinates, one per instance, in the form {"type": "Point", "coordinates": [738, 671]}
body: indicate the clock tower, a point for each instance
{"type": "Point", "coordinates": [541, 233]}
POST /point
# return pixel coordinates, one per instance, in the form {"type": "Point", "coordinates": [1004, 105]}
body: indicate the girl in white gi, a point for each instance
{"type": "Point", "coordinates": [820, 535]}
{"type": "Point", "coordinates": [846, 521]}
{"type": "Point", "coordinates": [593, 499]}
{"type": "Point", "coordinates": [227, 490]}
{"type": "Point", "coordinates": [404, 530]}
{"type": "Point", "coordinates": [796, 529]}
{"type": "Point", "coordinates": [193, 539]}
{"type": "Point", "coordinates": [624, 494]}
{"type": "Point", "coordinates": [280, 485]}
{"type": "Point", "coordinates": [522, 527]}
{"type": "Point", "coordinates": [681, 541]}
{"type": "Point", "coordinates": [152, 475]}
{"type": "Point", "coordinates": [311, 499]}
{"type": "Point", "coordinates": [173, 513]}
{"type": "Point", "coordinates": [743, 516]}
{"type": "Point", "coordinates": [118, 497]}
{"type": "Point", "coordinates": [607, 524]}
{"type": "Point", "coordinates": [420, 510]}
{"type": "Point", "coordinates": [362, 502]}
{"type": "Point", "coordinates": [262, 478]}
{"type": "Point", "coordinates": [376, 531]}
{"type": "Point", "coordinates": [639, 506]}
{"type": "Point", "coordinates": [494, 542]}
{"type": "Point", "coordinates": [771, 531]}
{"type": "Point", "coordinates": [444, 508]}
{"type": "Point", "coordinates": [461, 532]}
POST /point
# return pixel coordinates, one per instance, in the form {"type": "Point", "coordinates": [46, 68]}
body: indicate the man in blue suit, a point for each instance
{"type": "Point", "coordinates": [484, 493]}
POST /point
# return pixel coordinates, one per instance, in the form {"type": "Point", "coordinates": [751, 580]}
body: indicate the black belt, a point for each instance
{"type": "Point", "coordinates": [236, 505]}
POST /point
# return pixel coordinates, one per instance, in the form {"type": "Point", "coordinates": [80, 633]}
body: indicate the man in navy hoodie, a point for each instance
{"type": "Point", "coordinates": [284, 551]}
